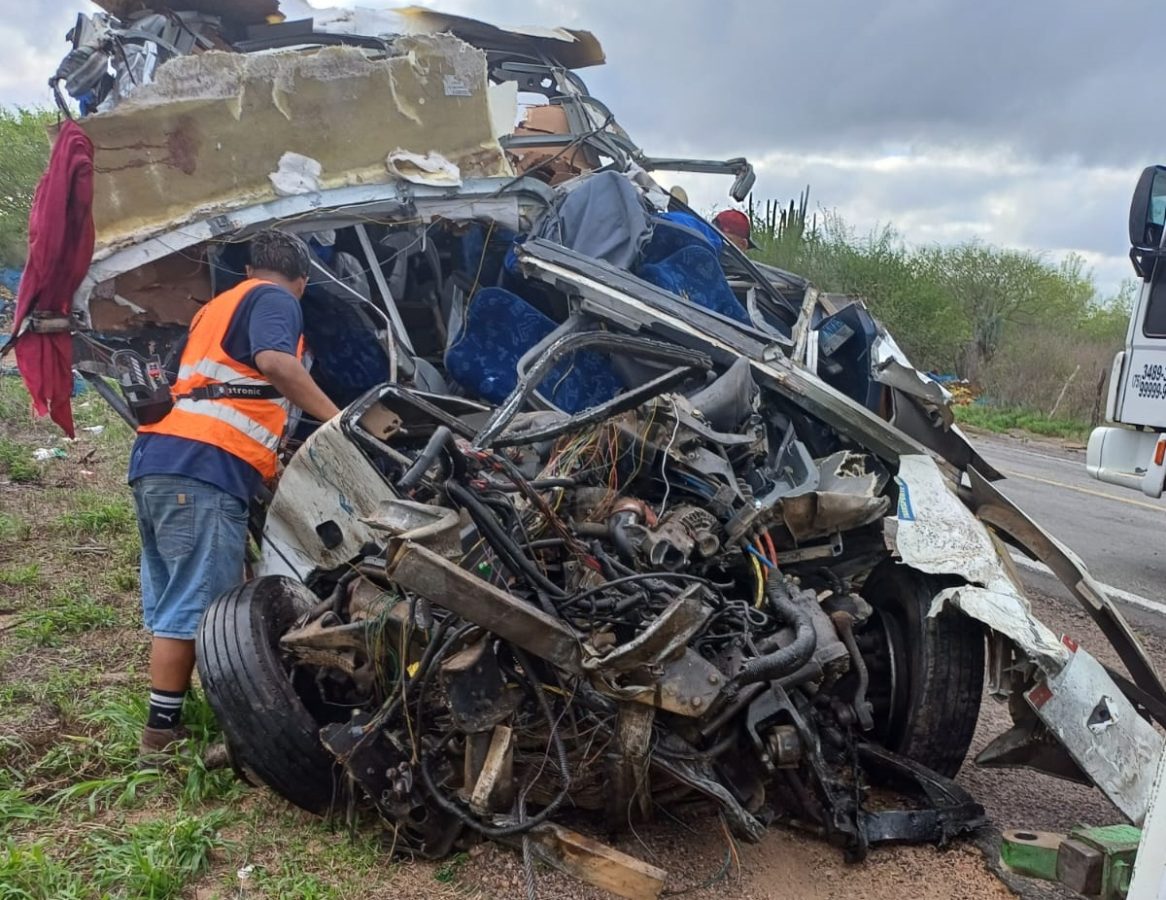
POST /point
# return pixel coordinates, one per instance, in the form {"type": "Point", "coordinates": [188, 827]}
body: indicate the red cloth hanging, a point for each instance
{"type": "Point", "coordinates": [60, 249]}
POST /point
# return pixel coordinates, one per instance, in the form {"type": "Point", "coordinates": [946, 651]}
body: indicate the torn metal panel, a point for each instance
{"type": "Point", "coordinates": [935, 533]}
{"type": "Point", "coordinates": [950, 443]}
{"type": "Point", "coordinates": [204, 137]}
{"type": "Point", "coordinates": [435, 578]}
{"type": "Point", "coordinates": [996, 510]}
{"type": "Point", "coordinates": [318, 515]}
{"type": "Point", "coordinates": [567, 46]}
{"type": "Point", "coordinates": [890, 366]}
{"type": "Point", "coordinates": [1006, 612]}
{"type": "Point", "coordinates": [1101, 730]}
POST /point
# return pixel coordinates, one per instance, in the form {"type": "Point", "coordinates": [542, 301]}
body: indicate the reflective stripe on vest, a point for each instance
{"type": "Point", "coordinates": [231, 416]}
{"type": "Point", "coordinates": [248, 428]}
{"type": "Point", "coordinates": [216, 372]}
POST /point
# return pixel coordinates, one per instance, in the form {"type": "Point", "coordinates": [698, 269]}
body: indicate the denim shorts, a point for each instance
{"type": "Point", "coordinates": [194, 540]}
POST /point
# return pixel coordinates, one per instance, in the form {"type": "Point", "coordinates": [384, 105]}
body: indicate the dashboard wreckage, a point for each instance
{"type": "Point", "coordinates": [615, 519]}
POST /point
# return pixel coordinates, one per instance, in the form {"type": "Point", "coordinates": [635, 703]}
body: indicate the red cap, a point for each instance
{"type": "Point", "coordinates": [735, 223]}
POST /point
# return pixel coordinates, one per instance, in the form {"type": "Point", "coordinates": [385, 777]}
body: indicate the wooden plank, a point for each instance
{"type": "Point", "coordinates": [494, 788]}
{"type": "Point", "coordinates": [596, 863]}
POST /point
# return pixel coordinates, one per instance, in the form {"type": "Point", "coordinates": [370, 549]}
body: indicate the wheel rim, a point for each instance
{"type": "Point", "coordinates": [885, 651]}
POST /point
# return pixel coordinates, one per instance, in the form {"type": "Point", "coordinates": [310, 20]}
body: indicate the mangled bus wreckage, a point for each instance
{"type": "Point", "coordinates": [614, 518]}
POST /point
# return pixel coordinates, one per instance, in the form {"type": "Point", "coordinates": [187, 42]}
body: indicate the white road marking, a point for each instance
{"type": "Point", "coordinates": [1153, 507]}
{"type": "Point", "coordinates": [1004, 450]}
{"type": "Point", "coordinates": [1154, 606]}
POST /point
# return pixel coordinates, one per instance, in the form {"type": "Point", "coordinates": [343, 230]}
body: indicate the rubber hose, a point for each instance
{"type": "Point", "coordinates": [507, 549]}
{"type": "Point", "coordinates": [421, 464]}
{"type": "Point", "coordinates": [791, 657]}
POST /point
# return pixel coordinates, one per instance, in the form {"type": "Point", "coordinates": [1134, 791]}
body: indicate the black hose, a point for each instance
{"type": "Point", "coordinates": [440, 437]}
{"type": "Point", "coordinates": [610, 569]}
{"type": "Point", "coordinates": [507, 549]}
{"type": "Point", "coordinates": [539, 484]}
{"type": "Point", "coordinates": [791, 657]}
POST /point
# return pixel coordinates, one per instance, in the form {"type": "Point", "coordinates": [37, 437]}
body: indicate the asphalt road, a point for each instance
{"type": "Point", "coordinates": [1120, 534]}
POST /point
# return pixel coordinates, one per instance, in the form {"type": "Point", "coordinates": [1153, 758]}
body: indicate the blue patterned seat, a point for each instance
{"type": "Point", "coordinates": [674, 231]}
{"type": "Point", "coordinates": [693, 272]}
{"type": "Point", "coordinates": [499, 328]}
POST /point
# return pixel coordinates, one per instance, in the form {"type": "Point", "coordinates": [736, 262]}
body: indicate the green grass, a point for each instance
{"type": "Point", "coordinates": [124, 578]}
{"type": "Point", "coordinates": [96, 515]}
{"type": "Point", "coordinates": [15, 808]}
{"type": "Point", "coordinates": [155, 859]}
{"type": "Point", "coordinates": [21, 576]}
{"type": "Point", "coordinates": [13, 528]}
{"type": "Point", "coordinates": [123, 790]}
{"type": "Point", "coordinates": [67, 612]}
{"type": "Point", "coordinates": [288, 882]}
{"type": "Point", "coordinates": [314, 861]}
{"type": "Point", "coordinates": [16, 460]}
{"type": "Point", "coordinates": [1000, 420]}
{"type": "Point", "coordinates": [28, 872]}
{"type": "Point", "coordinates": [58, 689]}
{"type": "Point", "coordinates": [447, 872]}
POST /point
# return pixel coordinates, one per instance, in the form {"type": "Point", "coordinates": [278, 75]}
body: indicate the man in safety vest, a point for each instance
{"type": "Point", "coordinates": [194, 471]}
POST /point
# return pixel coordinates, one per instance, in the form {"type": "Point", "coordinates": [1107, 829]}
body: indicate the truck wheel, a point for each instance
{"type": "Point", "coordinates": [926, 674]}
{"type": "Point", "coordinates": [273, 738]}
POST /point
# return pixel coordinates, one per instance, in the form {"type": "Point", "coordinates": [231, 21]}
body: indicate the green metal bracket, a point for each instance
{"type": "Point", "coordinates": [1095, 862]}
{"type": "Point", "coordinates": [1031, 853]}
{"type": "Point", "coordinates": [1118, 846]}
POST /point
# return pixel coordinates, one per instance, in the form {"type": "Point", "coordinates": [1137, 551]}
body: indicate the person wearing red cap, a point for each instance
{"type": "Point", "coordinates": [734, 225]}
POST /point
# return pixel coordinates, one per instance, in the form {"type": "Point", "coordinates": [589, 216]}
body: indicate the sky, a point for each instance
{"type": "Point", "coordinates": [1022, 124]}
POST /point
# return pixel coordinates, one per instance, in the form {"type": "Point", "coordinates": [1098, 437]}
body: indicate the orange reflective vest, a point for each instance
{"type": "Point", "coordinates": [247, 427]}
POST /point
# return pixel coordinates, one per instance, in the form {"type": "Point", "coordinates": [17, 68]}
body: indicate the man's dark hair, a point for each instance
{"type": "Point", "coordinates": [282, 253]}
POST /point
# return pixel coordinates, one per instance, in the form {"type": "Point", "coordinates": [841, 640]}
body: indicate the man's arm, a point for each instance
{"type": "Point", "coordinates": [293, 381]}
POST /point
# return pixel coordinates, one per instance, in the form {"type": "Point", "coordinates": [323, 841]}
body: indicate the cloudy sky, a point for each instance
{"type": "Point", "coordinates": [1020, 123]}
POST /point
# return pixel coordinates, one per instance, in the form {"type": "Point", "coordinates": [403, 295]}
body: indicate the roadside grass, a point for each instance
{"type": "Point", "coordinates": [21, 576]}
{"type": "Point", "coordinates": [1002, 420]}
{"type": "Point", "coordinates": [17, 462]}
{"type": "Point", "coordinates": [97, 515]}
{"type": "Point", "coordinates": [13, 528]}
{"type": "Point", "coordinates": [69, 611]}
{"type": "Point", "coordinates": [78, 817]}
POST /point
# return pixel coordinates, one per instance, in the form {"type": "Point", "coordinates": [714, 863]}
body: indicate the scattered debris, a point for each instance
{"type": "Point", "coordinates": [615, 519]}
{"type": "Point", "coordinates": [43, 454]}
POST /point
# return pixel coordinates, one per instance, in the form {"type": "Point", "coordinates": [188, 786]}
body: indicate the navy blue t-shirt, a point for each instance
{"type": "Point", "coordinates": [269, 318]}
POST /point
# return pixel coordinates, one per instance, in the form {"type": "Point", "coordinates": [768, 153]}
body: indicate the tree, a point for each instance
{"type": "Point", "coordinates": [24, 153]}
{"type": "Point", "coordinates": [998, 290]}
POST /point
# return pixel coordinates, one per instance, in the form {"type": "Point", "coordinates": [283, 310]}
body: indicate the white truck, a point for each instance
{"type": "Point", "coordinates": [1131, 451]}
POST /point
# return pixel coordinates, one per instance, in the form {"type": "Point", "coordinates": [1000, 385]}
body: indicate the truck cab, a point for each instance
{"type": "Point", "coordinates": [1131, 451]}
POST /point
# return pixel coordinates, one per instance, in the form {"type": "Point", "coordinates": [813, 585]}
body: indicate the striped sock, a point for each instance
{"type": "Point", "coordinates": [165, 708]}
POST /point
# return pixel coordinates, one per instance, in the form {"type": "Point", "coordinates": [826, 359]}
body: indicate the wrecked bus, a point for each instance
{"type": "Point", "coordinates": [614, 518]}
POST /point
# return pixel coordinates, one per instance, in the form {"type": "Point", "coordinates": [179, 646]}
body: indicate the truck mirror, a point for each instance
{"type": "Point", "coordinates": [743, 183]}
{"type": "Point", "coordinates": [1148, 209]}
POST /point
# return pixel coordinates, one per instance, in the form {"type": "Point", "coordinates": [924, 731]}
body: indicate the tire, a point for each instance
{"type": "Point", "coordinates": [273, 739]}
{"type": "Point", "coordinates": [926, 674]}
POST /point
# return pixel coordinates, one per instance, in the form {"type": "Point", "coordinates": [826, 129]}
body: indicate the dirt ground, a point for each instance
{"type": "Point", "coordinates": [52, 681]}
{"type": "Point", "coordinates": [793, 866]}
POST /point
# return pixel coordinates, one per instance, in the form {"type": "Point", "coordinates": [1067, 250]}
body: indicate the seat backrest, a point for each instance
{"type": "Point", "coordinates": [694, 273]}
{"type": "Point", "coordinates": [499, 327]}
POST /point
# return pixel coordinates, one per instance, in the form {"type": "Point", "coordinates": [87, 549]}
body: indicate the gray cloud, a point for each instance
{"type": "Point", "coordinates": [1019, 123]}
